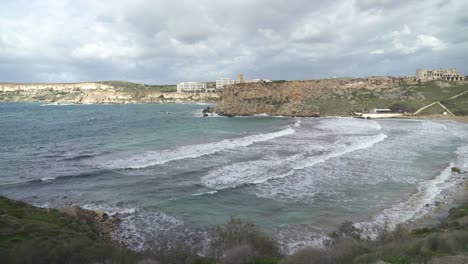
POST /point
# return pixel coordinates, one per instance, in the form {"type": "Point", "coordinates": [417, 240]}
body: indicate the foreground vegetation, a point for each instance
{"type": "Point", "coordinates": [34, 235]}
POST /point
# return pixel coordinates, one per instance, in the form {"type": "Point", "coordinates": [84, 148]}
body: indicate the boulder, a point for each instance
{"type": "Point", "coordinates": [456, 170]}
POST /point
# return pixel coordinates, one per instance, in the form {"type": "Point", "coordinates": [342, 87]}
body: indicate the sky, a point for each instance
{"type": "Point", "coordinates": [171, 41]}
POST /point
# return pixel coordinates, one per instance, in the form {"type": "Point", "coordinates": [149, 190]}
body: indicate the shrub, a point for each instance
{"type": "Point", "coordinates": [174, 252]}
{"type": "Point", "coordinates": [308, 256]}
{"type": "Point", "coordinates": [238, 237]}
{"type": "Point", "coordinates": [397, 259]}
{"type": "Point", "coordinates": [402, 107]}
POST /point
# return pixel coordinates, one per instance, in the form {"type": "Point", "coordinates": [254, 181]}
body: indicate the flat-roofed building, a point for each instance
{"type": "Point", "coordinates": [444, 74]}
{"type": "Point", "coordinates": [224, 81]}
{"type": "Point", "coordinates": [257, 80]}
{"type": "Point", "coordinates": [191, 87]}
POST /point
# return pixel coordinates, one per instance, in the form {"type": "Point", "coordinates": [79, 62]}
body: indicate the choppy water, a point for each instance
{"type": "Point", "coordinates": [169, 172]}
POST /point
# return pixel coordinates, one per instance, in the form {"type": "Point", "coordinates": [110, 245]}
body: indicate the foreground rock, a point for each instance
{"type": "Point", "coordinates": [103, 224]}
{"type": "Point", "coordinates": [71, 235]}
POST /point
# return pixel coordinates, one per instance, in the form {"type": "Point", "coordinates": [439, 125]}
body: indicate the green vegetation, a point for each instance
{"type": "Point", "coordinates": [405, 99]}
{"type": "Point", "coordinates": [33, 235]}
{"type": "Point", "coordinates": [459, 105]}
{"type": "Point", "coordinates": [142, 88]}
{"type": "Point", "coordinates": [242, 240]}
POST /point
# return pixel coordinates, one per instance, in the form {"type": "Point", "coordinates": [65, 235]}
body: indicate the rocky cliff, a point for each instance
{"type": "Point", "coordinates": [318, 97]}
{"type": "Point", "coordinates": [98, 93]}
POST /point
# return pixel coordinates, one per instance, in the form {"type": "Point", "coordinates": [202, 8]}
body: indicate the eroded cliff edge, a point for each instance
{"type": "Point", "coordinates": [340, 96]}
{"type": "Point", "coordinates": [110, 92]}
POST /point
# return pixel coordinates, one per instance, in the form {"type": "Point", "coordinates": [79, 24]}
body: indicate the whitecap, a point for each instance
{"type": "Point", "coordinates": [261, 171]}
{"type": "Point", "coordinates": [153, 158]}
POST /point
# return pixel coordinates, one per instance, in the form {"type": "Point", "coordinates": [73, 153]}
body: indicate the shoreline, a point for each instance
{"type": "Point", "coordinates": [460, 119]}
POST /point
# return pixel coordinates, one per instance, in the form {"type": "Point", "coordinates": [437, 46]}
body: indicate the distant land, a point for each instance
{"type": "Point", "coordinates": [105, 92]}
{"type": "Point", "coordinates": [326, 97]}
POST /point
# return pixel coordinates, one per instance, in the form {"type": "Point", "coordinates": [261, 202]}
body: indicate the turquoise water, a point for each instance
{"type": "Point", "coordinates": [170, 172]}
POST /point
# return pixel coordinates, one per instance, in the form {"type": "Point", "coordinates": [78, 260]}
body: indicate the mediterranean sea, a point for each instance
{"type": "Point", "coordinates": [170, 173]}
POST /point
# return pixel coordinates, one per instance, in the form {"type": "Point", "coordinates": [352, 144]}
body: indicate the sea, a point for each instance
{"type": "Point", "coordinates": [170, 173]}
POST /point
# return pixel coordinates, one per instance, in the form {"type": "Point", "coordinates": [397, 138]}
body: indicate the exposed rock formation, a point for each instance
{"type": "Point", "coordinates": [97, 93]}
{"type": "Point", "coordinates": [104, 224]}
{"type": "Point", "coordinates": [306, 98]}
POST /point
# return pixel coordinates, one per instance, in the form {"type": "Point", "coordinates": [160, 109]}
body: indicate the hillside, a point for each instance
{"type": "Point", "coordinates": [342, 96]}
{"type": "Point", "coordinates": [34, 235]}
{"type": "Point", "coordinates": [106, 92]}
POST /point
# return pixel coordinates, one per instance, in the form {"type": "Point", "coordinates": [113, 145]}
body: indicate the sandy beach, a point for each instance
{"type": "Point", "coordinates": [462, 119]}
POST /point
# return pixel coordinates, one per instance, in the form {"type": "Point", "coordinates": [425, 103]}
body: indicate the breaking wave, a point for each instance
{"type": "Point", "coordinates": [140, 228]}
{"type": "Point", "coordinates": [261, 171]}
{"type": "Point", "coordinates": [440, 189]}
{"type": "Point", "coordinates": [153, 158]}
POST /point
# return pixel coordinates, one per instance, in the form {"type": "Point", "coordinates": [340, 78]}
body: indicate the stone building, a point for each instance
{"type": "Point", "coordinates": [191, 87]}
{"type": "Point", "coordinates": [444, 74]}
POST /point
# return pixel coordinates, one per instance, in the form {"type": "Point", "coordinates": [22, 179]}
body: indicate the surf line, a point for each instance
{"type": "Point", "coordinates": [153, 158]}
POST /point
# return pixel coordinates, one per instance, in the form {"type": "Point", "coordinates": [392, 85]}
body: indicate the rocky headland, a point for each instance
{"type": "Point", "coordinates": [340, 96]}
{"type": "Point", "coordinates": [109, 92]}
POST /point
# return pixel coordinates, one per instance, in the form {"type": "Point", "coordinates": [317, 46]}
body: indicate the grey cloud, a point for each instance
{"type": "Point", "coordinates": [164, 41]}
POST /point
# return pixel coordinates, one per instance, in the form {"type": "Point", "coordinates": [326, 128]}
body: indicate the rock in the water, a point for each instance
{"type": "Point", "coordinates": [208, 110]}
{"type": "Point", "coordinates": [456, 170]}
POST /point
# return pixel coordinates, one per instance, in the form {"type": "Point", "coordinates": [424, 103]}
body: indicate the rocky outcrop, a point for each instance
{"type": "Point", "coordinates": [104, 224]}
{"type": "Point", "coordinates": [307, 98]}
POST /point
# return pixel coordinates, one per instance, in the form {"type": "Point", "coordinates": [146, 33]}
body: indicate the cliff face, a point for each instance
{"type": "Point", "coordinates": [309, 98]}
{"type": "Point", "coordinates": [9, 87]}
{"type": "Point", "coordinates": [97, 93]}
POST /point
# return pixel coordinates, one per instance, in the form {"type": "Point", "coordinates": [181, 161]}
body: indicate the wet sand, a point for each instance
{"type": "Point", "coordinates": [462, 119]}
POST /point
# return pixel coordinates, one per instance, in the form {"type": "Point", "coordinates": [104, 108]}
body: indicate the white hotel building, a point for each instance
{"type": "Point", "coordinates": [224, 81]}
{"type": "Point", "coordinates": [191, 87]}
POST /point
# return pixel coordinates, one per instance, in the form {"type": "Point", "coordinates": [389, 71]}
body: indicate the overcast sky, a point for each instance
{"type": "Point", "coordinates": [169, 41]}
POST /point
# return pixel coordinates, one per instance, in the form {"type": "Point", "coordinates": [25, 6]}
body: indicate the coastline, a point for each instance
{"type": "Point", "coordinates": [442, 212]}
{"type": "Point", "coordinates": [461, 119]}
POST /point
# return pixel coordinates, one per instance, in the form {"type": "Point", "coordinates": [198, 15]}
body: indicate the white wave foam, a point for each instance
{"type": "Point", "coordinates": [261, 171]}
{"type": "Point", "coordinates": [205, 193]}
{"type": "Point", "coordinates": [110, 210]}
{"type": "Point", "coordinates": [296, 237]}
{"type": "Point", "coordinates": [349, 125]}
{"type": "Point", "coordinates": [441, 188]}
{"type": "Point", "coordinates": [152, 158]}
{"type": "Point", "coordinates": [57, 104]}
{"type": "Point", "coordinates": [139, 227]}
{"type": "Point", "coordinates": [48, 179]}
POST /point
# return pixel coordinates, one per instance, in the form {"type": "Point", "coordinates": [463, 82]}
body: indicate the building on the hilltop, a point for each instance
{"type": "Point", "coordinates": [257, 80]}
{"type": "Point", "coordinates": [224, 81]}
{"type": "Point", "coordinates": [191, 87]}
{"type": "Point", "coordinates": [200, 87]}
{"type": "Point", "coordinates": [437, 74]}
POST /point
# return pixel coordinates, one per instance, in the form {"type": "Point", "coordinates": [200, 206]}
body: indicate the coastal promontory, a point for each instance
{"type": "Point", "coordinates": [341, 96]}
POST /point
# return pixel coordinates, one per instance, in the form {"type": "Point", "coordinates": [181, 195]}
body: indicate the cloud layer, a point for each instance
{"type": "Point", "coordinates": [162, 41]}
